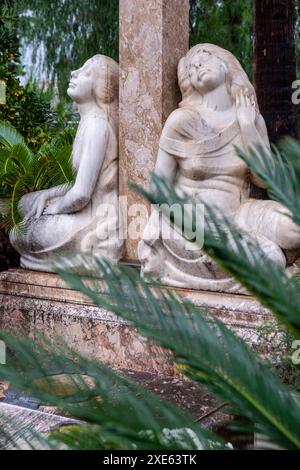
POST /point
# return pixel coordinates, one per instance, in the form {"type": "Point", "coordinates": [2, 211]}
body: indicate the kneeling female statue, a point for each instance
{"type": "Point", "coordinates": [66, 220]}
{"type": "Point", "coordinates": [196, 153]}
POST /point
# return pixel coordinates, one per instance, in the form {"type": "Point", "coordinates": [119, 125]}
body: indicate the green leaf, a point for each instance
{"type": "Point", "coordinates": [238, 254]}
{"type": "Point", "coordinates": [21, 171]}
{"type": "Point", "coordinates": [9, 136]}
{"type": "Point", "coordinates": [280, 172]}
{"type": "Point", "coordinates": [206, 349]}
{"type": "Point", "coordinates": [117, 412]}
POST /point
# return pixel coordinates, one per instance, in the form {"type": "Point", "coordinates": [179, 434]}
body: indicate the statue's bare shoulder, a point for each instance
{"type": "Point", "coordinates": [177, 122]}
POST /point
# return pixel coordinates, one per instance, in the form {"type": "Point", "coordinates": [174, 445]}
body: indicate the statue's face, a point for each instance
{"type": "Point", "coordinates": [206, 71]}
{"type": "Point", "coordinates": [82, 81]}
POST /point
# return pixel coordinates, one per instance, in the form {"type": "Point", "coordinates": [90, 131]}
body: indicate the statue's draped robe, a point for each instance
{"type": "Point", "coordinates": [208, 169]}
{"type": "Point", "coordinates": [92, 229]}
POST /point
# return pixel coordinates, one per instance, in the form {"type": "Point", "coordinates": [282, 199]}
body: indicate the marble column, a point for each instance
{"type": "Point", "coordinates": [154, 35]}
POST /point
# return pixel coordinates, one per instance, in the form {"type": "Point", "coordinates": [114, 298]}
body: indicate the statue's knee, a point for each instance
{"type": "Point", "coordinates": [25, 203]}
{"type": "Point", "coordinates": [289, 235]}
{"type": "Point", "coordinates": [12, 236]}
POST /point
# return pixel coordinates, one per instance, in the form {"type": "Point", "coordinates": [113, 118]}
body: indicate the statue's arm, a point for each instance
{"type": "Point", "coordinates": [88, 173]}
{"type": "Point", "coordinates": [256, 134]}
{"type": "Point", "coordinates": [165, 166]}
{"type": "Point", "coordinates": [57, 191]}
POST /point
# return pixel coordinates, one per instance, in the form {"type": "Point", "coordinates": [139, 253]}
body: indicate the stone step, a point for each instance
{"type": "Point", "coordinates": [34, 303]}
{"type": "Point", "coordinates": [193, 398]}
{"type": "Point", "coordinates": [184, 393]}
{"type": "Point", "coordinates": [21, 424]}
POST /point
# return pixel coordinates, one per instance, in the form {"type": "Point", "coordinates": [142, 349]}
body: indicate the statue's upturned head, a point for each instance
{"type": "Point", "coordinates": [206, 66]}
{"type": "Point", "coordinates": [98, 80]}
{"type": "Point", "coordinates": [206, 71]}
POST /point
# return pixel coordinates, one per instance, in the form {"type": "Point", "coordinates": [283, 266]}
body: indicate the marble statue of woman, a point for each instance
{"type": "Point", "coordinates": [66, 220]}
{"type": "Point", "coordinates": [196, 153]}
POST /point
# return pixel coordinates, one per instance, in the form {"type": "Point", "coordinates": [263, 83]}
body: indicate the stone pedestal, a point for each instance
{"type": "Point", "coordinates": [34, 303]}
{"type": "Point", "coordinates": [154, 35]}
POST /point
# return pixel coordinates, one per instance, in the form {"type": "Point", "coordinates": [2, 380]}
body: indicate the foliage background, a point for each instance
{"type": "Point", "coordinates": [27, 108]}
{"type": "Point", "coordinates": [92, 27]}
{"type": "Point", "coordinates": [70, 32]}
{"type": "Point", "coordinates": [225, 23]}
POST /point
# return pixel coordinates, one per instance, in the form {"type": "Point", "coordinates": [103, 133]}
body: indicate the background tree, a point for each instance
{"type": "Point", "coordinates": [274, 68]}
{"type": "Point", "coordinates": [27, 108]}
{"type": "Point", "coordinates": [63, 34]}
{"type": "Point", "coordinates": [71, 31]}
{"type": "Point", "coordinates": [225, 23]}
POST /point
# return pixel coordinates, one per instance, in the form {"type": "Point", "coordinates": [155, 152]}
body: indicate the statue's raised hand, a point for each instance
{"type": "Point", "coordinates": [245, 109]}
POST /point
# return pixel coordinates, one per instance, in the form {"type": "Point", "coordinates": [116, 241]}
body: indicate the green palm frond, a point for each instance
{"type": "Point", "coordinates": [21, 171]}
{"type": "Point", "coordinates": [118, 412]}
{"type": "Point", "coordinates": [9, 135]}
{"type": "Point", "coordinates": [16, 180]}
{"type": "Point", "coordinates": [55, 165]}
{"type": "Point", "coordinates": [238, 254]}
{"type": "Point", "coordinates": [16, 162]}
{"type": "Point", "coordinates": [280, 174]}
{"type": "Point", "coordinates": [12, 217]}
{"type": "Point", "coordinates": [208, 351]}
{"type": "Point", "coordinates": [65, 137]}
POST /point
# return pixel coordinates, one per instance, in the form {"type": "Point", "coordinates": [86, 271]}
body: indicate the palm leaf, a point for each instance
{"type": "Point", "coordinates": [238, 254]}
{"type": "Point", "coordinates": [9, 136]}
{"type": "Point", "coordinates": [22, 172]}
{"type": "Point", "coordinates": [57, 166]}
{"type": "Point", "coordinates": [280, 173]}
{"type": "Point", "coordinates": [208, 351]}
{"type": "Point", "coordinates": [119, 413]}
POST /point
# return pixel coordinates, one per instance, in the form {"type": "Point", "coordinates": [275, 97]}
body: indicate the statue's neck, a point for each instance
{"type": "Point", "coordinates": [85, 109]}
{"type": "Point", "coordinates": [215, 100]}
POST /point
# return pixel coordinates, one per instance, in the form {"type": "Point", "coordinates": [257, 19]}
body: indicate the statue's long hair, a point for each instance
{"type": "Point", "coordinates": [236, 77]}
{"type": "Point", "coordinates": [107, 96]}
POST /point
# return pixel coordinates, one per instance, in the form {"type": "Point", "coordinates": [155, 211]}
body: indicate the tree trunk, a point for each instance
{"type": "Point", "coordinates": [275, 65]}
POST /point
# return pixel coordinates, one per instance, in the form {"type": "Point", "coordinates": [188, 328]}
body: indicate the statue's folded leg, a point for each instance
{"type": "Point", "coordinates": [272, 221]}
{"type": "Point", "coordinates": [174, 262]}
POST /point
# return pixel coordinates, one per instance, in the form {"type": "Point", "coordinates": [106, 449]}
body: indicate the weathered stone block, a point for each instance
{"type": "Point", "coordinates": [35, 303]}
